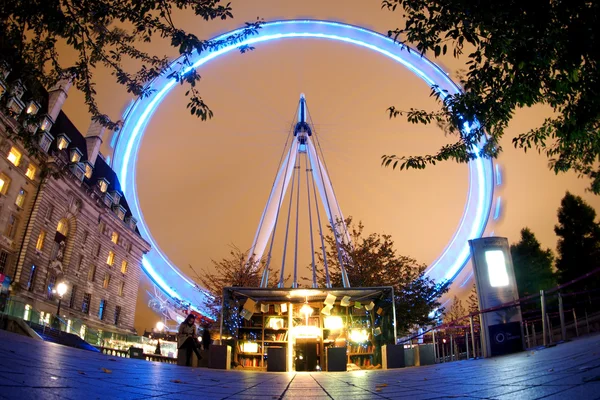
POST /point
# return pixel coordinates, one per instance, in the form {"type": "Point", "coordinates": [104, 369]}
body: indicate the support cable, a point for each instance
{"type": "Point", "coordinates": [312, 245]}
{"type": "Point", "coordinates": [287, 229]}
{"type": "Point", "coordinates": [295, 283]}
{"type": "Point", "coordinates": [327, 277]}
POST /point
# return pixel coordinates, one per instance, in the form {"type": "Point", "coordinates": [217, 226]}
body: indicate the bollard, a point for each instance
{"type": "Point", "coordinates": [444, 350]}
{"type": "Point", "coordinates": [534, 336]}
{"type": "Point", "coordinates": [528, 339]}
{"type": "Point", "coordinates": [434, 350]}
{"type": "Point", "coordinates": [451, 347]}
{"type": "Point", "coordinates": [587, 323]}
{"type": "Point", "coordinates": [575, 319]}
{"type": "Point", "coordinates": [467, 343]}
{"type": "Point", "coordinates": [543, 301]}
{"type": "Point", "coordinates": [473, 336]}
{"type": "Point", "coordinates": [563, 328]}
{"type": "Point", "coordinates": [550, 331]}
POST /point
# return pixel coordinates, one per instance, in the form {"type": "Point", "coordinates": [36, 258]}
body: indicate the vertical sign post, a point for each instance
{"type": "Point", "coordinates": [501, 331]}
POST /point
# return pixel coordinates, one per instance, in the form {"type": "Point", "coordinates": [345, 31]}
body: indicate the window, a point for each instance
{"type": "Point", "coordinates": [103, 184]}
{"type": "Point", "coordinates": [111, 258]}
{"type": "Point", "coordinates": [39, 246]}
{"type": "Point", "coordinates": [31, 280]}
{"type": "Point", "coordinates": [27, 314]}
{"type": "Point", "coordinates": [50, 286]}
{"type": "Point", "coordinates": [121, 213]}
{"type": "Point", "coordinates": [14, 156]}
{"type": "Point", "coordinates": [32, 108]}
{"type": "Point", "coordinates": [92, 273]}
{"type": "Point", "coordinates": [31, 170]}
{"type": "Point", "coordinates": [11, 227]}
{"type": "Point", "coordinates": [96, 251]}
{"type": "Point", "coordinates": [117, 314]}
{"type": "Point", "coordinates": [101, 227]}
{"type": "Point", "coordinates": [85, 304]}
{"type": "Point", "coordinates": [75, 155]}
{"type": "Point", "coordinates": [49, 212]}
{"type": "Point", "coordinates": [3, 261]}
{"type": "Point", "coordinates": [4, 183]}
{"type": "Point", "coordinates": [106, 280]}
{"type": "Point", "coordinates": [124, 267]}
{"type": "Point", "coordinates": [63, 227]}
{"type": "Point", "coordinates": [121, 290]}
{"type": "Point", "coordinates": [128, 247]}
{"type": "Point", "coordinates": [101, 309]}
{"type": "Point", "coordinates": [72, 297]}
{"type": "Point", "coordinates": [63, 142]}
{"type": "Point", "coordinates": [84, 237]}
{"type": "Point", "coordinates": [45, 140]}
{"type": "Point", "coordinates": [115, 237]}
{"type": "Point", "coordinates": [46, 124]}
{"type": "Point", "coordinates": [80, 262]}
{"type": "Point", "coordinates": [88, 170]}
{"type": "Point", "coordinates": [20, 201]}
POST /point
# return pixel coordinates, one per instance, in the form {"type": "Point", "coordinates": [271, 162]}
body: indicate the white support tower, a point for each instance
{"type": "Point", "coordinates": [302, 152]}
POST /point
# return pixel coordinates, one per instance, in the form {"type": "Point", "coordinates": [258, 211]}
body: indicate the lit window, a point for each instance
{"type": "Point", "coordinates": [33, 108]}
{"type": "Point", "coordinates": [88, 170]}
{"type": "Point", "coordinates": [27, 313]}
{"type": "Point", "coordinates": [101, 309]}
{"type": "Point", "coordinates": [121, 288]}
{"type": "Point", "coordinates": [111, 258]}
{"type": "Point", "coordinates": [62, 227]}
{"type": "Point", "coordinates": [124, 266]}
{"type": "Point", "coordinates": [92, 273]}
{"type": "Point", "coordinates": [75, 155]}
{"type": "Point", "coordinates": [103, 184]}
{"type": "Point", "coordinates": [496, 268]}
{"type": "Point", "coordinates": [106, 281]}
{"type": "Point", "coordinates": [14, 156]}
{"type": "Point", "coordinates": [47, 124]}
{"type": "Point", "coordinates": [11, 227]}
{"type": "Point", "coordinates": [39, 246]}
{"type": "Point", "coordinates": [63, 142]}
{"type": "Point", "coordinates": [20, 201]}
{"type": "Point", "coordinates": [4, 183]}
{"type": "Point", "coordinates": [114, 238]}
{"type": "Point", "coordinates": [31, 170]}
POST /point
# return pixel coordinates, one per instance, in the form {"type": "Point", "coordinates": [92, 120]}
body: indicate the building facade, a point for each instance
{"type": "Point", "coordinates": [68, 222]}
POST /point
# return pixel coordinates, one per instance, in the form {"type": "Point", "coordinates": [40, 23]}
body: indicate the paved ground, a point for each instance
{"type": "Point", "coordinates": [36, 370]}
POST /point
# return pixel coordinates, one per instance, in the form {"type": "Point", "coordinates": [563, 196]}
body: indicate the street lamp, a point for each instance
{"type": "Point", "coordinates": [61, 289]}
{"type": "Point", "coordinates": [160, 326]}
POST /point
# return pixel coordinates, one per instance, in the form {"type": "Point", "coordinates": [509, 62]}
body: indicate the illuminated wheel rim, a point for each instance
{"type": "Point", "coordinates": [175, 283]}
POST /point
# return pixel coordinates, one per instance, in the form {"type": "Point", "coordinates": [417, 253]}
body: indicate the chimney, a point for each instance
{"type": "Point", "coordinates": [57, 97]}
{"type": "Point", "coordinates": [93, 138]}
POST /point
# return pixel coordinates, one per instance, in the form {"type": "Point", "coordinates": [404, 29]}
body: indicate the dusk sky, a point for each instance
{"type": "Point", "coordinates": [203, 185]}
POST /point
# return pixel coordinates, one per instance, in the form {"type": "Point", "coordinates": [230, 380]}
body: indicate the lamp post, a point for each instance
{"type": "Point", "coordinates": [61, 289]}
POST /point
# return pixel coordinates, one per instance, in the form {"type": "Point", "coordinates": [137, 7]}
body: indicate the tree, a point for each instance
{"type": "Point", "coordinates": [453, 316]}
{"type": "Point", "coordinates": [532, 264]}
{"type": "Point", "coordinates": [518, 54]}
{"type": "Point", "coordinates": [374, 262]}
{"type": "Point", "coordinates": [579, 239]}
{"type": "Point", "coordinates": [233, 271]}
{"type": "Point", "coordinates": [473, 306]}
{"type": "Point", "coordinates": [111, 35]}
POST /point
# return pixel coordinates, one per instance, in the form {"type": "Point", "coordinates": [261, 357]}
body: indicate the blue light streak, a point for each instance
{"type": "Point", "coordinates": [472, 225]}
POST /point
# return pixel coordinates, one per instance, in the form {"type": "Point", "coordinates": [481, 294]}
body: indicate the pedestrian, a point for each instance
{"type": "Point", "coordinates": [157, 350]}
{"type": "Point", "coordinates": [187, 339]}
{"type": "Point", "coordinates": [206, 339]}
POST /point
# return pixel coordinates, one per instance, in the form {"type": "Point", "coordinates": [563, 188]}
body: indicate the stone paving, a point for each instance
{"type": "Point", "coordinates": [32, 369]}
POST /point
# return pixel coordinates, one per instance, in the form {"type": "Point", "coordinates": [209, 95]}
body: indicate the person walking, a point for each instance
{"type": "Point", "coordinates": [187, 339]}
{"type": "Point", "coordinates": [206, 339]}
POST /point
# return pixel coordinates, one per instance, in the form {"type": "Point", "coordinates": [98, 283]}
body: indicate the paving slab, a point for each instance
{"type": "Point", "coordinates": [32, 369]}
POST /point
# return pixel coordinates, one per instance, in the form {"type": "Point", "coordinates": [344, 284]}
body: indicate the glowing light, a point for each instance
{"type": "Point", "coordinates": [306, 310]}
{"type": "Point", "coordinates": [249, 347]}
{"type": "Point", "coordinates": [170, 279]}
{"type": "Point", "coordinates": [334, 323]}
{"type": "Point", "coordinates": [359, 335]}
{"type": "Point", "coordinates": [61, 289]}
{"type": "Point", "coordinates": [276, 323]}
{"type": "Point", "coordinates": [306, 331]}
{"type": "Point", "coordinates": [160, 326]}
{"type": "Point", "coordinates": [496, 268]}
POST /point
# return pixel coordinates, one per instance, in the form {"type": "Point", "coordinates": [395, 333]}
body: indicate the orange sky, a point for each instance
{"type": "Point", "coordinates": [203, 185]}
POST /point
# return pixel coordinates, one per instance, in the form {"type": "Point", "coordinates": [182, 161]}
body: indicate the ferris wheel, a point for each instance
{"type": "Point", "coordinates": [481, 205]}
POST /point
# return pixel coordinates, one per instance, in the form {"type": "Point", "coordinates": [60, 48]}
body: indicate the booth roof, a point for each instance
{"type": "Point", "coordinates": [300, 294]}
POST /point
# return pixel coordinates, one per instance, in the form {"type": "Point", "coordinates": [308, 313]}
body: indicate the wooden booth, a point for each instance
{"type": "Point", "coordinates": [287, 329]}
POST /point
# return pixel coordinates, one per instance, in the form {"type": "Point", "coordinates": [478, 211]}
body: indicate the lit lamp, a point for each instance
{"type": "Point", "coordinates": [359, 335]}
{"type": "Point", "coordinates": [61, 289]}
{"type": "Point", "coordinates": [160, 326]}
